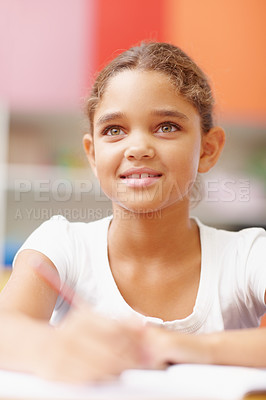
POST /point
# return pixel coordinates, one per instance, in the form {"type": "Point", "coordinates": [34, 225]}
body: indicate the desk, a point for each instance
{"type": "Point", "coordinates": [180, 382]}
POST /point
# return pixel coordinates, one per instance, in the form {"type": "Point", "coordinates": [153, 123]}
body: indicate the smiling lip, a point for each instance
{"type": "Point", "coordinates": [140, 177]}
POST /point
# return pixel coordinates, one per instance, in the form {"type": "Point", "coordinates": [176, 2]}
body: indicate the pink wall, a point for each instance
{"type": "Point", "coordinates": [46, 52]}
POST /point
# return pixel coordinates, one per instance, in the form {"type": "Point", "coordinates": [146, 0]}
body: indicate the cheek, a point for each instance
{"type": "Point", "coordinates": [193, 155]}
{"type": "Point", "coordinates": [101, 156]}
{"type": "Point", "coordinates": [183, 159]}
{"type": "Point", "coordinates": [106, 161]}
{"type": "Point", "coordinates": [184, 164]}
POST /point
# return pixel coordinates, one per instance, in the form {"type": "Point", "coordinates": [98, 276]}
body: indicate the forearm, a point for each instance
{"type": "Point", "coordinates": [245, 347]}
{"type": "Point", "coordinates": [239, 347]}
{"type": "Point", "coordinates": [22, 341]}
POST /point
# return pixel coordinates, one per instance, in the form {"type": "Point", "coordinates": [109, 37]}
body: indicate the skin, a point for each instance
{"type": "Point", "coordinates": [84, 348]}
{"type": "Point", "coordinates": [151, 258]}
{"type": "Point", "coordinates": [155, 279]}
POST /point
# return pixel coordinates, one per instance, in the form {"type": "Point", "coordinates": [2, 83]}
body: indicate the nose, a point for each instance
{"type": "Point", "coordinates": [139, 147]}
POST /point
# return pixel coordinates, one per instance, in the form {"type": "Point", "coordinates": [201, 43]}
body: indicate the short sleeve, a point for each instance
{"type": "Point", "coordinates": [252, 251]}
{"type": "Point", "coordinates": [53, 239]}
{"type": "Point", "coordinates": [256, 266]}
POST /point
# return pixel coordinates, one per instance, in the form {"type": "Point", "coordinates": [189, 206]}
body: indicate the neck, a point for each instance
{"type": "Point", "coordinates": [150, 236]}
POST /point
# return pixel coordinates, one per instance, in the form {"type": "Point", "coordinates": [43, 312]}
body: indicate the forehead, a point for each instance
{"type": "Point", "coordinates": [135, 81]}
{"type": "Point", "coordinates": [141, 92]}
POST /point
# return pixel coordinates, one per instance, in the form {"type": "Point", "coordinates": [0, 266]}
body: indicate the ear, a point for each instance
{"type": "Point", "coordinates": [89, 150]}
{"type": "Point", "coordinates": [211, 147]}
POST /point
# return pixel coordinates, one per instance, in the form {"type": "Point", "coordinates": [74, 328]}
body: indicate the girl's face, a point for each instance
{"type": "Point", "coordinates": [147, 142]}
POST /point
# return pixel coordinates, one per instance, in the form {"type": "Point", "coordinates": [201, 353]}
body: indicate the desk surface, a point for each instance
{"type": "Point", "coordinates": [186, 382]}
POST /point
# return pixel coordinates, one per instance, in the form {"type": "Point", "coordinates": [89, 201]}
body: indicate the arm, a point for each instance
{"type": "Point", "coordinates": [26, 305]}
{"type": "Point", "coordinates": [245, 347]}
{"type": "Point", "coordinates": [84, 347]}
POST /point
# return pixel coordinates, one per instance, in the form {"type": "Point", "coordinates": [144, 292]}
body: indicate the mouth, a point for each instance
{"type": "Point", "coordinates": [140, 176]}
{"type": "Point", "coordinates": [140, 179]}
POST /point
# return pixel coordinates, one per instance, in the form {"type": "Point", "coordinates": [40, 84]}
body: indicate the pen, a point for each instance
{"type": "Point", "coordinates": [51, 277]}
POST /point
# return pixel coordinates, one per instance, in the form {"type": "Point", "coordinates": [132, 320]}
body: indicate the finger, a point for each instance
{"type": "Point", "coordinates": [110, 357]}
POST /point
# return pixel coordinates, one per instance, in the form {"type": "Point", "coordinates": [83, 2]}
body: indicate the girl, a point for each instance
{"type": "Point", "coordinates": [182, 291]}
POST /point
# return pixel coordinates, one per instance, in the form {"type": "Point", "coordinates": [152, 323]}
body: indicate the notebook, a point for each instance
{"type": "Point", "coordinates": [177, 382]}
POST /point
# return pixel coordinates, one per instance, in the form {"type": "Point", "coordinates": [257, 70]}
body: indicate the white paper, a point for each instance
{"type": "Point", "coordinates": [178, 382]}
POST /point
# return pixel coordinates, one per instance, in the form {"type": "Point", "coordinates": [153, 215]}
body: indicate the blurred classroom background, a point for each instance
{"type": "Point", "coordinates": [50, 51]}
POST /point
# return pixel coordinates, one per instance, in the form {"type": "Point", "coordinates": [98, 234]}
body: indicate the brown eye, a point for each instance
{"type": "Point", "coordinates": [114, 131]}
{"type": "Point", "coordinates": [167, 128]}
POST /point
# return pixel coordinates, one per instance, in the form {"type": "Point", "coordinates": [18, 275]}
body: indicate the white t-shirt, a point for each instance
{"type": "Point", "coordinates": [232, 281]}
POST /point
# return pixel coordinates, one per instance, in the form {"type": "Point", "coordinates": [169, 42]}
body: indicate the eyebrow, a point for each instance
{"type": "Point", "coordinates": [160, 113]}
{"type": "Point", "coordinates": [109, 117]}
{"type": "Point", "coordinates": [169, 113]}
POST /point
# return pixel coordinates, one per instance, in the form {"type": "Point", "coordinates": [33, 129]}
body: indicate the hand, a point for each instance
{"type": "Point", "coordinates": [87, 347]}
{"type": "Point", "coordinates": [158, 344]}
{"type": "Point", "coordinates": [166, 347]}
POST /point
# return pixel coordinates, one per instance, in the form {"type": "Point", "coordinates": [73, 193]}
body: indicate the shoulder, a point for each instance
{"type": "Point", "coordinates": [59, 239]}
{"type": "Point", "coordinates": [59, 224]}
{"type": "Point", "coordinates": [247, 242]}
{"type": "Point", "coordinates": [238, 263]}
{"type": "Point", "coordinates": [239, 257]}
{"type": "Point", "coordinates": [242, 241]}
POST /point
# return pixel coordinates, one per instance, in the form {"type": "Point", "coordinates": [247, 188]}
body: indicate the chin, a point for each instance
{"type": "Point", "coordinates": [147, 209]}
{"type": "Point", "coordinates": [139, 211]}
{"type": "Point", "coordinates": [133, 208]}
